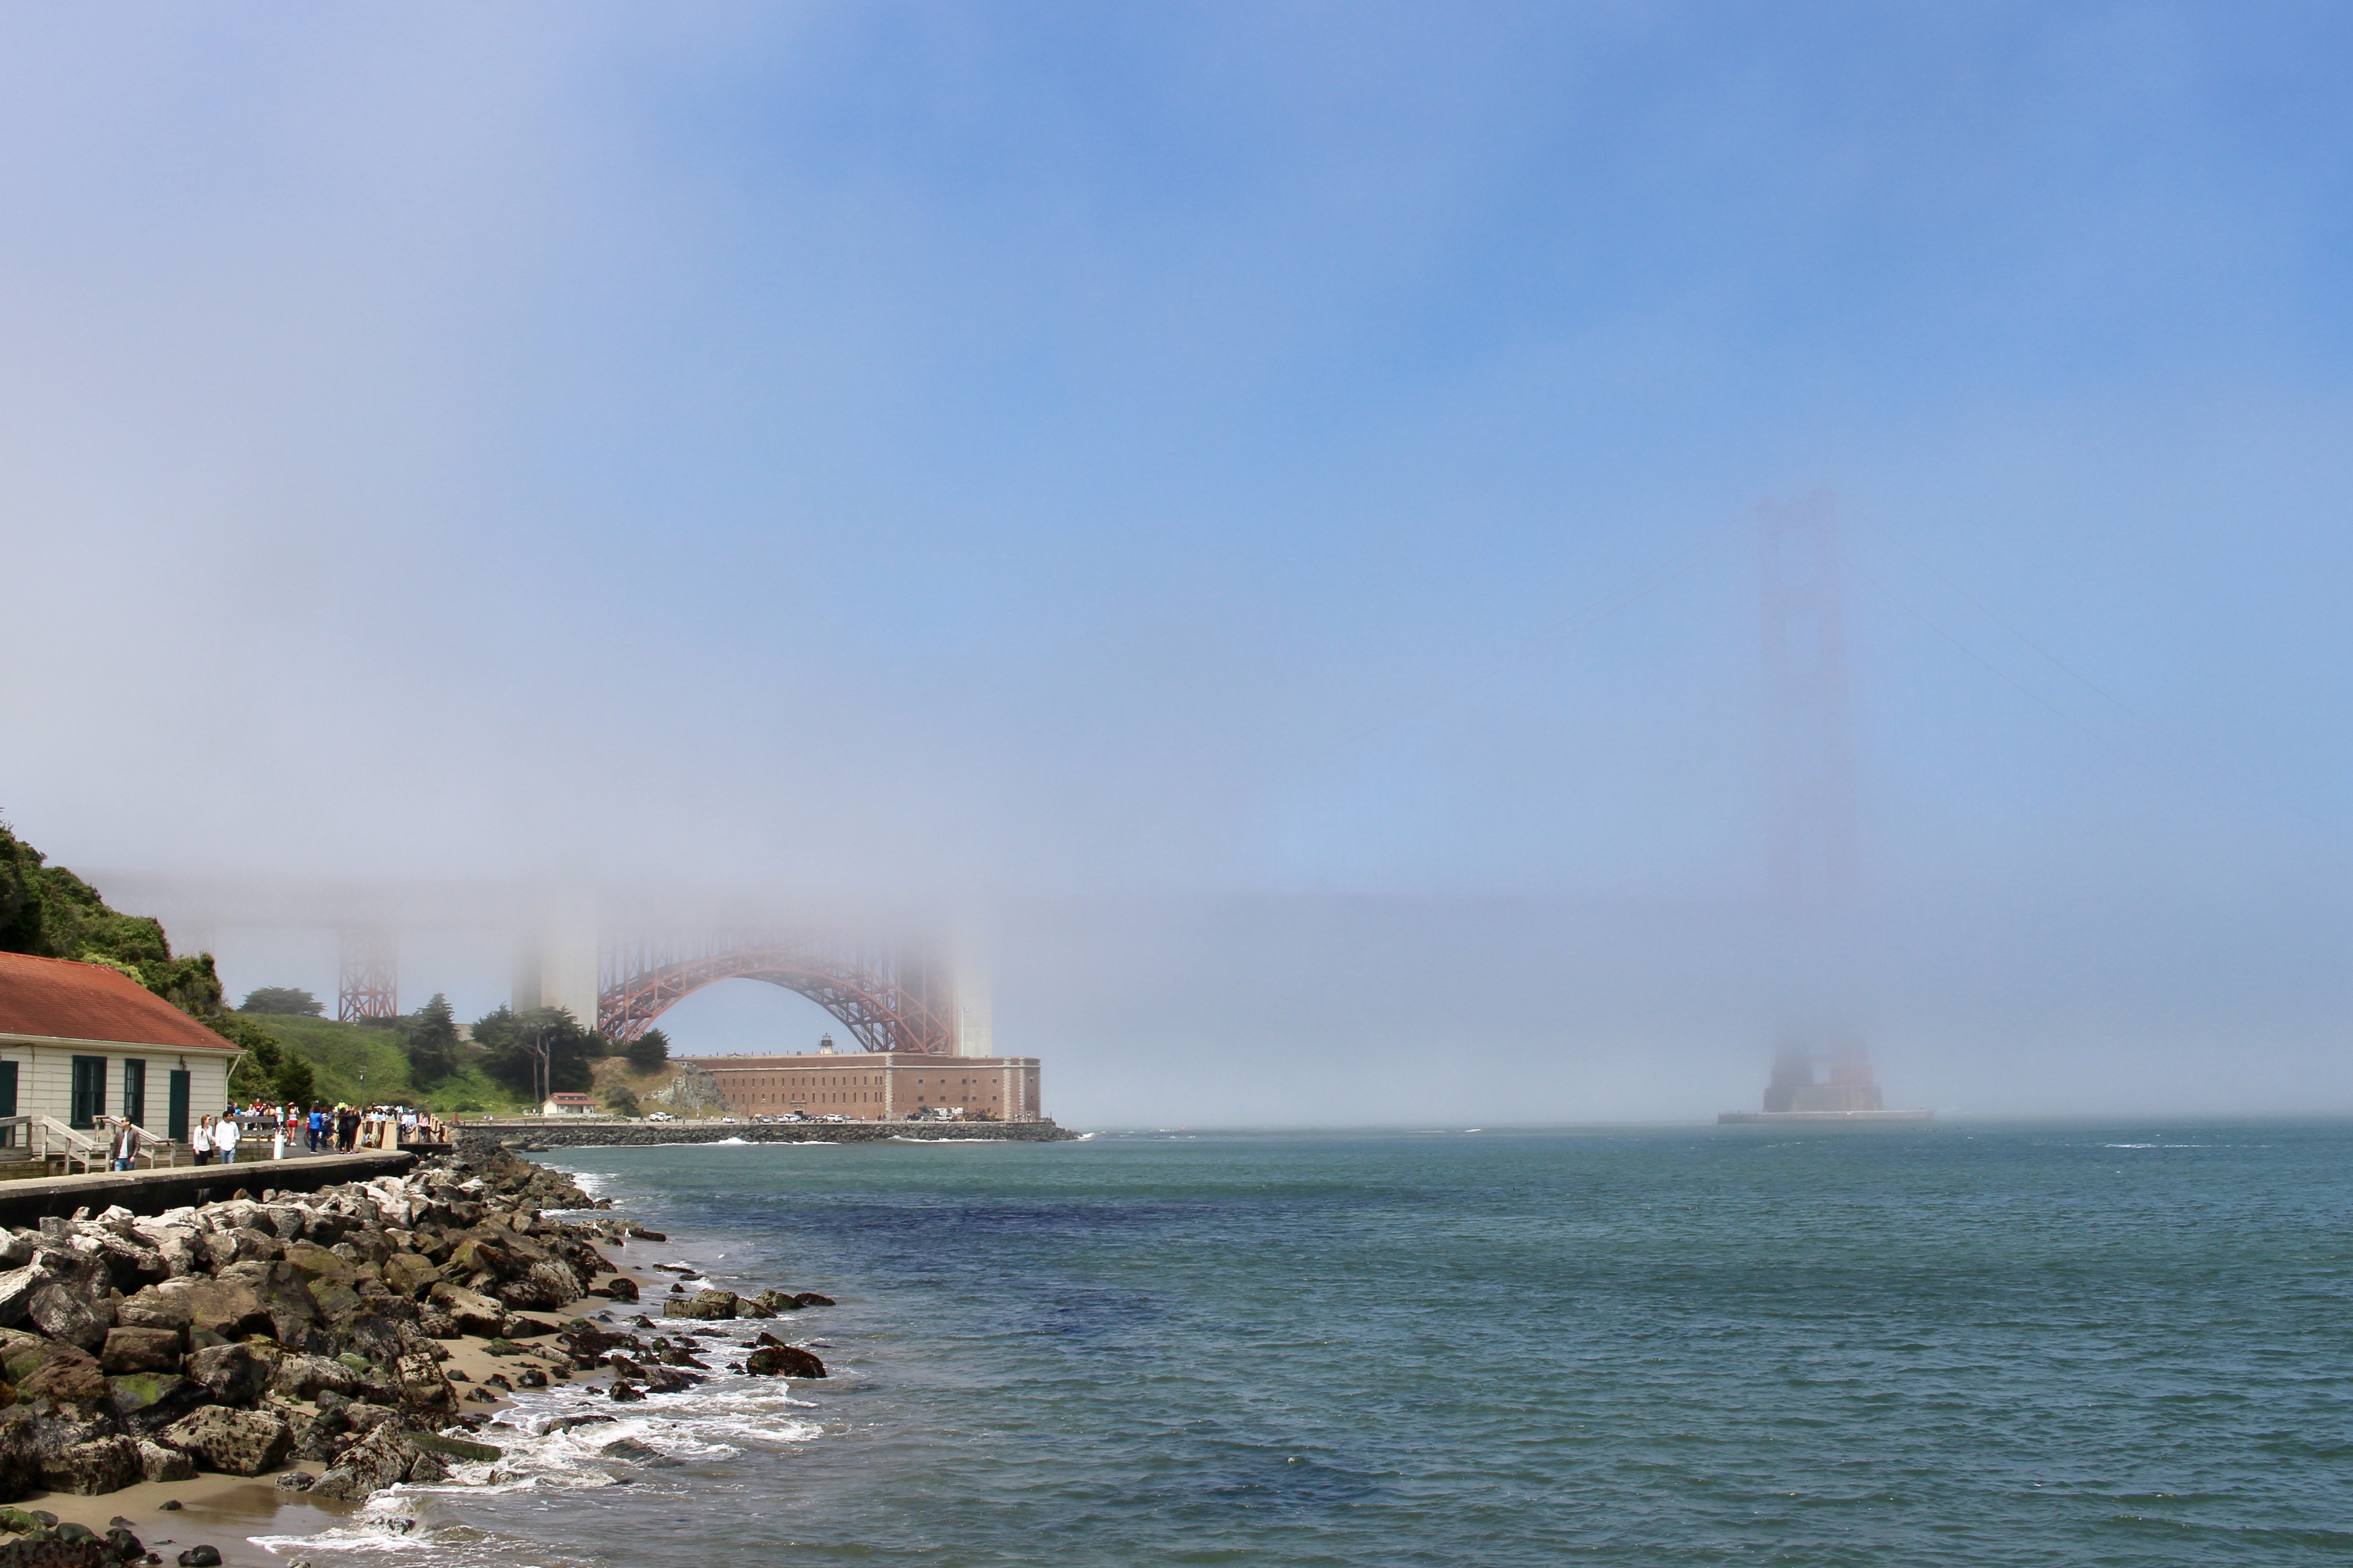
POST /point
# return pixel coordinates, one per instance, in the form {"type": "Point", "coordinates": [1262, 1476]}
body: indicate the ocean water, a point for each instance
{"type": "Point", "coordinates": [1996, 1345]}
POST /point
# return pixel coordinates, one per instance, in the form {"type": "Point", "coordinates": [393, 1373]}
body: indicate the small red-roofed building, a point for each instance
{"type": "Point", "coordinates": [80, 1041]}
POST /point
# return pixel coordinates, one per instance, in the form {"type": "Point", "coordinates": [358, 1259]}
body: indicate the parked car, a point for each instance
{"type": "Point", "coordinates": [659, 1116]}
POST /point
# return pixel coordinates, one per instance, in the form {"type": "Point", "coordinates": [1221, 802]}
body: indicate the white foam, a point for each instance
{"type": "Point", "coordinates": [715, 1420]}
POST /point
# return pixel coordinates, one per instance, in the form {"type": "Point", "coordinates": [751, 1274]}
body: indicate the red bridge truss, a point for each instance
{"type": "Point", "coordinates": [888, 998]}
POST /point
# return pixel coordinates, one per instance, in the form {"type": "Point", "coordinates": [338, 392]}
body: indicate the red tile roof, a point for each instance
{"type": "Point", "coordinates": [60, 999]}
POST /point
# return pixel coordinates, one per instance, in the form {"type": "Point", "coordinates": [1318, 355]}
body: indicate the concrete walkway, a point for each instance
{"type": "Point", "coordinates": [24, 1202]}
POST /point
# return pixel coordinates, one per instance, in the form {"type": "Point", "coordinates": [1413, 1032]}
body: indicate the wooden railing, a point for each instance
{"type": "Point", "coordinates": [46, 1138]}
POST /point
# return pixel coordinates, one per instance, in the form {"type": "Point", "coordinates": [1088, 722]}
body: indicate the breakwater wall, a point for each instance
{"type": "Point", "coordinates": [479, 1137]}
{"type": "Point", "coordinates": [27, 1202]}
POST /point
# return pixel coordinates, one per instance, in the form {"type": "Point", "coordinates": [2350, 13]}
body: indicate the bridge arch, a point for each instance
{"type": "Point", "coordinates": [887, 999]}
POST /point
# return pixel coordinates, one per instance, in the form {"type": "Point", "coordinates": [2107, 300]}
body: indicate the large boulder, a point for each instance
{"type": "Point", "coordinates": [16, 1295]}
{"type": "Point", "coordinates": [378, 1335]}
{"type": "Point", "coordinates": [140, 1350]}
{"type": "Point", "coordinates": [176, 1245]}
{"type": "Point", "coordinates": [72, 1299]}
{"type": "Point", "coordinates": [380, 1460]}
{"type": "Point", "coordinates": [422, 1384]}
{"type": "Point", "coordinates": [256, 1297]}
{"type": "Point", "coordinates": [703, 1304]}
{"type": "Point", "coordinates": [69, 1376]}
{"type": "Point", "coordinates": [129, 1261]}
{"type": "Point", "coordinates": [22, 1354]}
{"type": "Point", "coordinates": [473, 1313]}
{"type": "Point", "coordinates": [155, 1308]}
{"type": "Point", "coordinates": [465, 1448]}
{"type": "Point", "coordinates": [306, 1376]}
{"type": "Point", "coordinates": [481, 1262]}
{"type": "Point", "coordinates": [20, 1457]}
{"type": "Point", "coordinates": [228, 1307]}
{"type": "Point", "coordinates": [239, 1244]}
{"type": "Point", "coordinates": [323, 1259]}
{"type": "Point", "coordinates": [92, 1469]}
{"type": "Point", "coordinates": [285, 1297]}
{"type": "Point", "coordinates": [783, 1360]}
{"type": "Point", "coordinates": [517, 1270]}
{"type": "Point", "coordinates": [230, 1373]}
{"type": "Point", "coordinates": [148, 1401]}
{"type": "Point", "coordinates": [332, 1280]}
{"type": "Point", "coordinates": [235, 1442]}
{"type": "Point", "coordinates": [544, 1285]}
{"type": "Point", "coordinates": [410, 1275]}
{"type": "Point", "coordinates": [160, 1463]}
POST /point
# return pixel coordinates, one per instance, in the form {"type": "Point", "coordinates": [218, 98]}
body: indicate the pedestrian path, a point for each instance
{"type": "Point", "coordinates": [25, 1202]}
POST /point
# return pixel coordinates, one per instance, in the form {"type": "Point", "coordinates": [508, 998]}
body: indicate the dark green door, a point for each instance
{"type": "Point", "coordinates": [7, 1102]}
{"type": "Point", "coordinates": [134, 1093]}
{"type": "Point", "coordinates": [88, 1093]}
{"type": "Point", "coordinates": [177, 1130]}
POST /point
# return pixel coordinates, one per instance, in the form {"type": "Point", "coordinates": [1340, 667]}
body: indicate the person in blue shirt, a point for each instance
{"type": "Point", "coordinates": [318, 1126]}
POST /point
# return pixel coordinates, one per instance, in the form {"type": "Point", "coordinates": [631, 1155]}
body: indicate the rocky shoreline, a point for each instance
{"type": "Point", "coordinates": [479, 1138]}
{"type": "Point", "coordinates": [335, 1339]}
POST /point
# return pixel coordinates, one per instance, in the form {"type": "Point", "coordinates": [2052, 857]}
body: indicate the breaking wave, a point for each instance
{"type": "Point", "coordinates": [567, 1439]}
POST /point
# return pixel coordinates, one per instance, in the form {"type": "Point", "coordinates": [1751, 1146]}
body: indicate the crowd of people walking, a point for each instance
{"type": "Point", "coordinates": [270, 1132]}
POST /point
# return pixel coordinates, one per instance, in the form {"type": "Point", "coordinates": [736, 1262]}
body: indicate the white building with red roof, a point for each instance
{"type": "Point", "coordinates": [78, 1041]}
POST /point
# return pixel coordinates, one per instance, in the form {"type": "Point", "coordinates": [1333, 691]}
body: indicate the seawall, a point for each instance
{"type": "Point", "coordinates": [478, 1137]}
{"type": "Point", "coordinates": [26, 1202]}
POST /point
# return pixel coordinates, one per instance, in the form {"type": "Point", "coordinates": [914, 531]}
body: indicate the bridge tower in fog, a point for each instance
{"type": "Point", "coordinates": [368, 983]}
{"type": "Point", "coordinates": [1814, 862]}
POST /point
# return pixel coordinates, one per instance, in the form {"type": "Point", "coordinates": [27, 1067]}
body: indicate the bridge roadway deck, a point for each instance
{"type": "Point", "coordinates": [477, 1136]}
{"type": "Point", "coordinates": [26, 1201]}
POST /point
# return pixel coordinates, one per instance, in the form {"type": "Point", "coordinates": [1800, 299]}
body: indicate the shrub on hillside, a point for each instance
{"type": "Point", "coordinates": [513, 1045]}
{"type": "Point", "coordinates": [647, 1052]}
{"type": "Point", "coordinates": [48, 912]}
{"type": "Point", "coordinates": [268, 1069]}
{"type": "Point", "coordinates": [432, 1042]}
{"type": "Point", "coordinates": [284, 1001]}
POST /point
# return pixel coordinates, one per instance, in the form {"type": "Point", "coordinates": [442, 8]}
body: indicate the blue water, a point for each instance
{"type": "Point", "coordinates": [1982, 1345]}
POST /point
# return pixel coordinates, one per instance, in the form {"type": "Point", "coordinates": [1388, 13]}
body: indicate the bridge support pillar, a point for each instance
{"type": "Point", "coordinates": [368, 985]}
{"type": "Point", "coordinates": [555, 966]}
{"type": "Point", "coordinates": [973, 1018]}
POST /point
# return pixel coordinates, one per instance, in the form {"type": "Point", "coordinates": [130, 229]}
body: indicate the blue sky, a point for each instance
{"type": "Point", "coordinates": [1002, 453]}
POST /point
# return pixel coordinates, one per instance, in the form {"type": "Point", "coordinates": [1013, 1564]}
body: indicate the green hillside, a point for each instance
{"type": "Point", "coordinates": [291, 1053]}
{"type": "Point", "coordinates": [366, 1063]}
